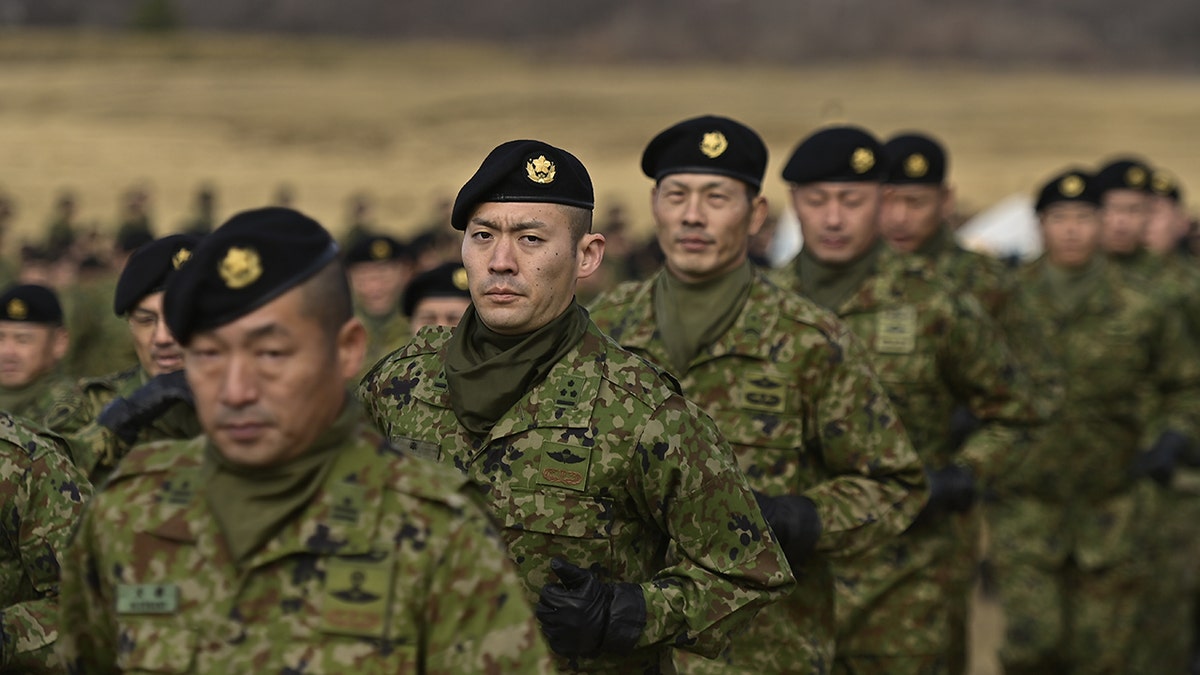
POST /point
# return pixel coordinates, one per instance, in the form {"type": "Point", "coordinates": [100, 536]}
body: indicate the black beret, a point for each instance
{"type": "Point", "coordinates": [375, 248]}
{"type": "Point", "coordinates": [250, 260]}
{"type": "Point", "coordinates": [1072, 185]}
{"type": "Point", "coordinates": [1122, 174]}
{"type": "Point", "coordinates": [524, 171]}
{"type": "Point", "coordinates": [708, 144]}
{"type": "Point", "coordinates": [32, 304]}
{"type": "Point", "coordinates": [915, 159]}
{"type": "Point", "coordinates": [149, 268]}
{"type": "Point", "coordinates": [837, 155]}
{"type": "Point", "coordinates": [448, 280]}
{"type": "Point", "coordinates": [1163, 184]}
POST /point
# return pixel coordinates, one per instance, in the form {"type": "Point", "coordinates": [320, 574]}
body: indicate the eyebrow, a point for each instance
{"type": "Point", "coordinates": [711, 185]}
{"type": "Point", "coordinates": [269, 330]}
{"type": "Point", "coordinates": [522, 226]}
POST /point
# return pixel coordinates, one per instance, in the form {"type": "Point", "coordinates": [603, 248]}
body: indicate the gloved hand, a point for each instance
{"type": "Point", "coordinates": [796, 524]}
{"type": "Point", "coordinates": [951, 489]}
{"type": "Point", "coordinates": [963, 423]}
{"type": "Point", "coordinates": [126, 417]}
{"type": "Point", "coordinates": [582, 615]}
{"type": "Point", "coordinates": [1160, 460]}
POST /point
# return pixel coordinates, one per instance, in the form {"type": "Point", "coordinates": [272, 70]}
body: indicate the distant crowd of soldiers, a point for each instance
{"type": "Point", "coordinates": [249, 448]}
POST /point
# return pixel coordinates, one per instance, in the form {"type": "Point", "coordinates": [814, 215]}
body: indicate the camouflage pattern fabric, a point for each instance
{"type": "Point", "coordinates": [384, 335]}
{"type": "Point", "coordinates": [96, 449]}
{"type": "Point", "coordinates": [987, 279]}
{"type": "Point", "coordinates": [793, 392]}
{"type": "Point", "coordinates": [42, 495]}
{"type": "Point", "coordinates": [390, 568]}
{"type": "Point", "coordinates": [605, 465]}
{"type": "Point", "coordinates": [1080, 539]}
{"type": "Point", "coordinates": [934, 350]}
{"type": "Point", "coordinates": [35, 400]}
{"type": "Point", "coordinates": [100, 341]}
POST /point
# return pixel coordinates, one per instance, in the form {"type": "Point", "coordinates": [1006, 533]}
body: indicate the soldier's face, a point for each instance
{"type": "Point", "coordinates": [377, 285]}
{"type": "Point", "coordinates": [1166, 227]}
{"type": "Point", "coordinates": [156, 348]}
{"type": "Point", "coordinates": [1070, 232]}
{"type": "Point", "coordinates": [839, 221]}
{"type": "Point", "coordinates": [704, 223]}
{"type": "Point", "coordinates": [438, 312]}
{"type": "Point", "coordinates": [911, 214]}
{"type": "Point", "coordinates": [28, 351]}
{"type": "Point", "coordinates": [1124, 214]}
{"type": "Point", "coordinates": [267, 384]}
{"type": "Point", "coordinates": [522, 264]}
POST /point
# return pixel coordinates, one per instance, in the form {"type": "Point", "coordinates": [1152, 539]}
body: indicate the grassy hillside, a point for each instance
{"type": "Point", "coordinates": [409, 123]}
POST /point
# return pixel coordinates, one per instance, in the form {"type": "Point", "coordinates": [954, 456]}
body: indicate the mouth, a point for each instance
{"type": "Point", "coordinates": [834, 242]}
{"type": "Point", "coordinates": [168, 361]}
{"type": "Point", "coordinates": [243, 432]}
{"type": "Point", "coordinates": [501, 295]}
{"type": "Point", "coordinates": [693, 243]}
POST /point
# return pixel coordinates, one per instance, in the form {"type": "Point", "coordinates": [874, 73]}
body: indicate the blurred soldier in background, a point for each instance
{"type": "Point", "coordinates": [789, 386]}
{"type": "Point", "coordinates": [204, 212]}
{"type": "Point", "coordinates": [379, 268]}
{"type": "Point", "coordinates": [33, 341]}
{"type": "Point", "coordinates": [62, 229]}
{"type": "Point", "coordinates": [902, 608]}
{"type": "Point", "coordinates": [1078, 546]}
{"type": "Point", "coordinates": [135, 214]}
{"type": "Point", "coordinates": [438, 297]}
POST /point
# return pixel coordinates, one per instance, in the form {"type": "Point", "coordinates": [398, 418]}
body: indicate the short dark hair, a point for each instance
{"type": "Point", "coordinates": [579, 222]}
{"type": "Point", "coordinates": [327, 298]}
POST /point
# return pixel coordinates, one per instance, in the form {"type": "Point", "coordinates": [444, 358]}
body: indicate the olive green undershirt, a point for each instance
{"type": "Point", "coordinates": [487, 373]}
{"type": "Point", "coordinates": [252, 504]}
{"type": "Point", "coordinates": [937, 244]}
{"type": "Point", "coordinates": [20, 399]}
{"type": "Point", "coordinates": [831, 285]}
{"type": "Point", "coordinates": [1070, 286]}
{"type": "Point", "coordinates": [692, 316]}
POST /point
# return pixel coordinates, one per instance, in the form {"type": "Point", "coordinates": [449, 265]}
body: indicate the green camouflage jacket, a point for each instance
{"type": "Point", "coordinates": [793, 392]}
{"type": "Point", "coordinates": [34, 401]}
{"type": "Point", "coordinates": [986, 278]}
{"type": "Point", "coordinates": [384, 336]}
{"type": "Point", "coordinates": [96, 449]}
{"type": "Point", "coordinates": [42, 495]}
{"type": "Point", "coordinates": [605, 465]}
{"type": "Point", "coordinates": [390, 568]}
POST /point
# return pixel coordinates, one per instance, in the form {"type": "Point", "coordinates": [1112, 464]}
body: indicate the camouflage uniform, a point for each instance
{"type": "Point", "coordinates": [33, 401]}
{"type": "Point", "coordinates": [831, 436]}
{"type": "Point", "coordinates": [385, 334]}
{"type": "Point", "coordinates": [987, 279]}
{"type": "Point", "coordinates": [603, 464]}
{"type": "Point", "coordinates": [96, 449]}
{"type": "Point", "coordinates": [1080, 537]}
{"type": "Point", "coordinates": [389, 568]}
{"type": "Point", "coordinates": [934, 350]}
{"type": "Point", "coordinates": [41, 497]}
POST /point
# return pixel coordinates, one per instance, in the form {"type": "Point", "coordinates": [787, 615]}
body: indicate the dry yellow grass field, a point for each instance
{"type": "Point", "coordinates": [408, 123]}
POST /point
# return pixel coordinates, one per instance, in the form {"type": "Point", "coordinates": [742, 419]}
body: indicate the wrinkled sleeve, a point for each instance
{"type": "Point", "coordinates": [725, 564]}
{"type": "Point", "coordinates": [48, 505]}
{"type": "Point", "coordinates": [878, 483]}
{"type": "Point", "coordinates": [478, 619]}
{"type": "Point", "coordinates": [88, 627]}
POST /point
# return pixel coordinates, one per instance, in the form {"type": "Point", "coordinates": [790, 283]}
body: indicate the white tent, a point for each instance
{"type": "Point", "coordinates": [1009, 228]}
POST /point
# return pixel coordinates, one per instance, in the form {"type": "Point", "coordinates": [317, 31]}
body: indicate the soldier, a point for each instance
{"type": "Point", "coordinates": [204, 214]}
{"type": "Point", "coordinates": [917, 205]}
{"type": "Point", "coordinates": [1167, 228]}
{"type": "Point", "coordinates": [145, 402]}
{"type": "Point", "coordinates": [902, 608]}
{"type": "Point", "coordinates": [32, 343]}
{"type": "Point", "coordinates": [379, 268]}
{"type": "Point", "coordinates": [1081, 539]}
{"type": "Point", "coordinates": [622, 506]}
{"type": "Point", "coordinates": [438, 297]}
{"type": "Point", "coordinates": [42, 495]}
{"type": "Point", "coordinates": [789, 386]}
{"type": "Point", "coordinates": [290, 537]}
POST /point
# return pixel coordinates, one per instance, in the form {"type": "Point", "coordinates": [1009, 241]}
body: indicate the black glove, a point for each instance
{"type": "Point", "coordinates": [127, 416]}
{"type": "Point", "coordinates": [1160, 460]}
{"type": "Point", "coordinates": [796, 524]}
{"type": "Point", "coordinates": [963, 423]}
{"type": "Point", "coordinates": [582, 615]}
{"type": "Point", "coordinates": [951, 489]}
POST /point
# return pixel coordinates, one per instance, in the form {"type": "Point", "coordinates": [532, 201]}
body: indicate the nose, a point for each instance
{"type": "Point", "coordinates": [162, 335]}
{"type": "Point", "coordinates": [502, 260]}
{"type": "Point", "coordinates": [833, 215]}
{"type": "Point", "coordinates": [693, 215]}
{"type": "Point", "coordinates": [239, 387]}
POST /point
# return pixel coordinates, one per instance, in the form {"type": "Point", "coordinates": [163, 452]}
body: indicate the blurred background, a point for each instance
{"type": "Point", "coordinates": [374, 110]}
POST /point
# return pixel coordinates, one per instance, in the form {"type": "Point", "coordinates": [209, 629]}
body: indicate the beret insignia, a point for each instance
{"type": "Point", "coordinates": [540, 170]}
{"type": "Point", "coordinates": [713, 144]}
{"type": "Point", "coordinates": [240, 267]}
{"type": "Point", "coordinates": [1071, 186]}
{"type": "Point", "coordinates": [1161, 183]}
{"type": "Point", "coordinates": [460, 279]}
{"type": "Point", "coordinates": [380, 249]}
{"type": "Point", "coordinates": [16, 309]}
{"type": "Point", "coordinates": [862, 160]}
{"type": "Point", "coordinates": [916, 165]}
{"type": "Point", "coordinates": [1135, 176]}
{"type": "Point", "coordinates": [181, 256]}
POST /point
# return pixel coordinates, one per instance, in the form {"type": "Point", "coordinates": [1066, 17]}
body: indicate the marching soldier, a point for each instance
{"type": "Point", "coordinates": [623, 508]}
{"type": "Point", "coordinates": [789, 386]}
{"type": "Point", "coordinates": [290, 537]}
